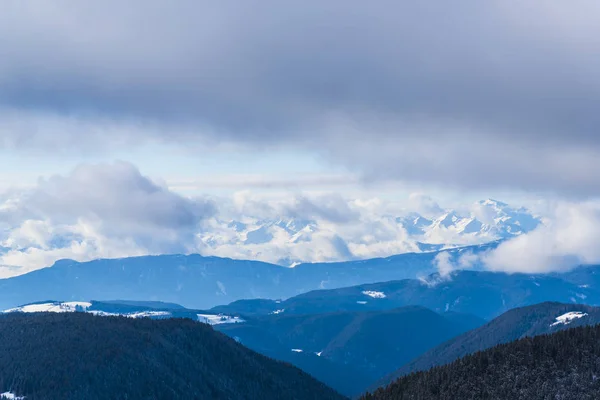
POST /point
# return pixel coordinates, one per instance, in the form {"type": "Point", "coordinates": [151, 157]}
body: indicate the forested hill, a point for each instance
{"type": "Point", "coordinates": [80, 356]}
{"type": "Point", "coordinates": [515, 324]}
{"type": "Point", "coordinates": [564, 365]}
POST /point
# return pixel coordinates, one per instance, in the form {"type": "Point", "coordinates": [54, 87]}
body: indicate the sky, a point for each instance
{"type": "Point", "coordinates": [198, 103]}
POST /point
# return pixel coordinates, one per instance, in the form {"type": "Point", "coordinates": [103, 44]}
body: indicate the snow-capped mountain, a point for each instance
{"type": "Point", "coordinates": [126, 310]}
{"type": "Point", "coordinates": [487, 220]}
{"type": "Point", "coordinates": [288, 241]}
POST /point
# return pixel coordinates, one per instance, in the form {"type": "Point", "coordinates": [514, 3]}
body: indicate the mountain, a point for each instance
{"type": "Point", "coordinates": [130, 309]}
{"type": "Point", "coordinates": [343, 378]}
{"type": "Point", "coordinates": [515, 324]}
{"type": "Point", "coordinates": [201, 282]}
{"type": "Point", "coordinates": [372, 343]}
{"type": "Point", "coordinates": [562, 365]}
{"type": "Point", "coordinates": [347, 351]}
{"type": "Point", "coordinates": [484, 294]}
{"type": "Point", "coordinates": [80, 356]}
{"type": "Point", "coordinates": [289, 241]}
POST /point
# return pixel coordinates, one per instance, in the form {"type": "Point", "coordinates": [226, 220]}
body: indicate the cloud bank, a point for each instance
{"type": "Point", "coordinates": [570, 239]}
{"type": "Point", "coordinates": [103, 210]}
{"type": "Point", "coordinates": [475, 95]}
{"type": "Point", "coordinates": [113, 210]}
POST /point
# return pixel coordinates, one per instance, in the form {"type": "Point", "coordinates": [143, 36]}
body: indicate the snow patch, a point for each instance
{"type": "Point", "coordinates": [213, 319]}
{"type": "Point", "coordinates": [71, 306]}
{"type": "Point", "coordinates": [566, 319]}
{"type": "Point", "coordinates": [361, 302]}
{"type": "Point", "coordinates": [297, 350]}
{"type": "Point", "coordinates": [278, 311]}
{"type": "Point", "coordinates": [140, 314]}
{"type": "Point", "coordinates": [374, 294]}
{"type": "Point", "coordinates": [11, 396]}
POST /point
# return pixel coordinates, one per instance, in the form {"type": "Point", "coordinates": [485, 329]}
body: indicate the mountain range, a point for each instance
{"type": "Point", "coordinates": [480, 293]}
{"type": "Point", "coordinates": [202, 282]}
{"type": "Point", "coordinates": [289, 241]}
{"type": "Point", "coordinates": [352, 351]}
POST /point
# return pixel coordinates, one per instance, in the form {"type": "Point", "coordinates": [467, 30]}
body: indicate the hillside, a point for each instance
{"type": "Point", "coordinates": [201, 282]}
{"type": "Point", "coordinates": [481, 293]}
{"type": "Point", "coordinates": [365, 345]}
{"type": "Point", "coordinates": [52, 356]}
{"type": "Point", "coordinates": [564, 365]}
{"type": "Point", "coordinates": [515, 324]}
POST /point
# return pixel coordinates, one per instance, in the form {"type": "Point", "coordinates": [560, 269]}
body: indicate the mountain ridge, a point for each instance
{"type": "Point", "coordinates": [53, 356]}
{"type": "Point", "coordinates": [529, 321]}
{"type": "Point", "coordinates": [197, 281]}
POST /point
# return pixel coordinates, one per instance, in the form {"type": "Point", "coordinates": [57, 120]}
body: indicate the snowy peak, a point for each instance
{"type": "Point", "coordinates": [486, 221]}
{"type": "Point", "coordinates": [493, 203]}
{"type": "Point", "coordinates": [291, 240]}
{"type": "Point", "coordinates": [447, 220]}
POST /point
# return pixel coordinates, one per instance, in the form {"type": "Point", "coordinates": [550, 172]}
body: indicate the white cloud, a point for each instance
{"type": "Point", "coordinates": [443, 264]}
{"type": "Point", "coordinates": [424, 205]}
{"type": "Point", "coordinates": [112, 210]}
{"type": "Point", "coordinates": [571, 238]}
{"type": "Point", "coordinates": [104, 210]}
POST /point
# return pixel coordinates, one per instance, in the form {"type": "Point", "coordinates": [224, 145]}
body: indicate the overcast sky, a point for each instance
{"type": "Point", "coordinates": [461, 99]}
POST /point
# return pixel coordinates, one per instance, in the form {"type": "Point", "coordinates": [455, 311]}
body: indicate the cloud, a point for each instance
{"type": "Point", "coordinates": [424, 205]}
{"type": "Point", "coordinates": [262, 181]}
{"type": "Point", "coordinates": [569, 240]}
{"type": "Point", "coordinates": [443, 264]}
{"type": "Point", "coordinates": [102, 210]}
{"type": "Point", "coordinates": [329, 207]}
{"type": "Point", "coordinates": [332, 208]}
{"type": "Point", "coordinates": [471, 94]}
{"type": "Point", "coordinates": [113, 210]}
{"type": "Point", "coordinates": [446, 262]}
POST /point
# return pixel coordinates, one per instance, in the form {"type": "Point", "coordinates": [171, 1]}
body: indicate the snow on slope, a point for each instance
{"type": "Point", "coordinates": [566, 319]}
{"type": "Point", "coordinates": [71, 306]}
{"type": "Point", "coordinates": [218, 319]}
{"type": "Point", "coordinates": [374, 294]}
{"type": "Point", "coordinates": [82, 306]}
{"type": "Point", "coordinates": [139, 314]}
{"type": "Point", "coordinates": [10, 396]}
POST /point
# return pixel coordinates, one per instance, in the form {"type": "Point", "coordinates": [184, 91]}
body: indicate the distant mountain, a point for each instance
{"type": "Point", "coordinates": [288, 241]}
{"type": "Point", "coordinates": [372, 344]}
{"type": "Point", "coordinates": [201, 282]}
{"type": "Point", "coordinates": [484, 294]}
{"type": "Point", "coordinates": [562, 365]}
{"type": "Point", "coordinates": [54, 356]}
{"type": "Point", "coordinates": [515, 324]}
{"type": "Point", "coordinates": [130, 309]}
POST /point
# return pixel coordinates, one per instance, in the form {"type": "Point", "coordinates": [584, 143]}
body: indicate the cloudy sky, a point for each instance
{"type": "Point", "coordinates": [125, 119]}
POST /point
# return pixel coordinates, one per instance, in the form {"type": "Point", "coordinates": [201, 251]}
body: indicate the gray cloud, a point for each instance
{"type": "Point", "coordinates": [115, 201]}
{"type": "Point", "coordinates": [470, 94]}
{"type": "Point", "coordinates": [332, 208]}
